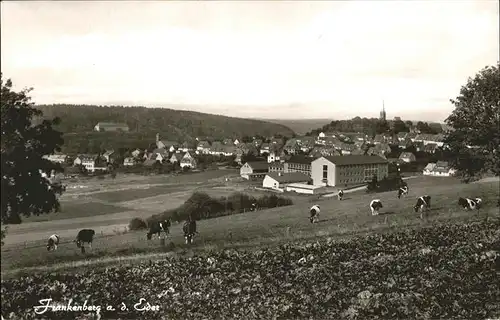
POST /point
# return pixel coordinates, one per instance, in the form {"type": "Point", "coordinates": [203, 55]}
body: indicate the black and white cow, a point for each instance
{"type": "Point", "coordinates": [423, 204]}
{"type": "Point", "coordinates": [254, 206]}
{"type": "Point", "coordinates": [189, 229]}
{"type": "Point", "coordinates": [470, 204]}
{"type": "Point", "coordinates": [53, 242]}
{"type": "Point", "coordinates": [341, 194]}
{"type": "Point", "coordinates": [403, 191]}
{"type": "Point", "coordinates": [375, 206]}
{"type": "Point", "coordinates": [314, 213]}
{"type": "Point", "coordinates": [157, 227]}
{"type": "Point", "coordinates": [84, 236]}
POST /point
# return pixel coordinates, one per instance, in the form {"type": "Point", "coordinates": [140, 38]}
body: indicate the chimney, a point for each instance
{"type": "Point", "coordinates": [157, 137]}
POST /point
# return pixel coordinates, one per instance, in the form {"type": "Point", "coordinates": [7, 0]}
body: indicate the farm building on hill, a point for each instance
{"type": "Point", "coordinates": [279, 181]}
{"type": "Point", "coordinates": [254, 170]}
{"type": "Point", "coordinates": [110, 126]}
{"type": "Point", "coordinates": [438, 169]}
{"type": "Point", "coordinates": [348, 170]}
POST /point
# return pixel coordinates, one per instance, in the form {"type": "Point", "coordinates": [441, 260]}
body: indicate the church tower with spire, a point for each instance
{"type": "Point", "coordinates": [382, 113]}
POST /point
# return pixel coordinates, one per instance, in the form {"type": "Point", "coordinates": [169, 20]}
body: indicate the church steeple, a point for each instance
{"type": "Point", "coordinates": [382, 113]}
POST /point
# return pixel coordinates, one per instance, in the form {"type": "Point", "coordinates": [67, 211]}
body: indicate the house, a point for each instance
{"type": "Point", "coordinates": [430, 148]}
{"type": "Point", "coordinates": [348, 170]}
{"type": "Point", "coordinates": [407, 157]}
{"type": "Point", "coordinates": [203, 147]}
{"type": "Point", "coordinates": [264, 148]}
{"type": "Point", "coordinates": [136, 153]}
{"type": "Point", "coordinates": [110, 126]}
{"type": "Point", "coordinates": [257, 142]}
{"type": "Point", "coordinates": [91, 162]}
{"type": "Point", "coordinates": [273, 156]}
{"type": "Point", "coordinates": [279, 180]}
{"type": "Point", "coordinates": [276, 167]}
{"type": "Point", "coordinates": [254, 170]}
{"type": "Point", "coordinates": [57, 158]}
{"type": "Point", "coordinates": [346, 148]}
{"type": "Point", "coordinates": [189, 162]}
{"type": "Point", "coordinates": [176, 157]}
{"type": "Point", "coordinates": [402, 136]}
{"type": "Point", "coordinates": [187, 146]}
{"type": "Point", "coordinates": [236, 142]}
{"type": "Point", "coordinates": [129, 161]}
{"type": "Point", "coordinates": [438, 169]}
{"type": "Point", "coordinates": [305, 188]}
{"type": "Point", "coordinates": [110, 156]}
{"type": "Point", "coordinates": [171, 146]}
{"type": "Point", "coordinates": [322, 151]}
{"type": "Point", "coordinates": [300, 164]}
{"type": "Point", "coordinates": [228, 142]}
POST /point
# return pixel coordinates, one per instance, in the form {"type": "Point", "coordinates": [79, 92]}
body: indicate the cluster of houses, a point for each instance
{"type": "Point", "coordinates": [294, 155]}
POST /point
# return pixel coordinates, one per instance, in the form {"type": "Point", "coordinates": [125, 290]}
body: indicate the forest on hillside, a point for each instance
{"type": "Point", "coordinates": [78, 121]}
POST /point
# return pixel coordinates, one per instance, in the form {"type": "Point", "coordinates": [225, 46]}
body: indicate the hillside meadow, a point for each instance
{"type": "Point", "coordinates": [279, 225]}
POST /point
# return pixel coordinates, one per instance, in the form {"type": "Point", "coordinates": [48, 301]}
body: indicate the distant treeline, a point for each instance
{"type": "Point", "coordinates": [373, 126]}
{"type": "Point", "coordinates": [78, 122]}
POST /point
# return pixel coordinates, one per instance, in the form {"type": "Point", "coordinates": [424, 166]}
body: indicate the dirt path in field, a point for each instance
{"type": "Point", "coordinates": [29, 232]}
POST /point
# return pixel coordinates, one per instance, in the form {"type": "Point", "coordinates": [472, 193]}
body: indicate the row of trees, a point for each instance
{"type": "Point", "coordinates": [373, 126]}
{"type": "Point", "coordinates": [201, 206]}
{"type": "Point", "coordinates": [25, 138]}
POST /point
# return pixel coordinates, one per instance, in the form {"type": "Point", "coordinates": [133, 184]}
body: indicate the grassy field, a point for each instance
{"type": "Point", "coordinates": [351, 216]}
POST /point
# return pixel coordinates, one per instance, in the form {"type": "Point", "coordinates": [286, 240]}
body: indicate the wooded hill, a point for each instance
{"type": "Point", "coordinates": [78, 121]}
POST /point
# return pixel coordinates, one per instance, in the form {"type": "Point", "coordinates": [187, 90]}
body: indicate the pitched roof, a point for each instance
{"type": "Point", "coordinates": [289, 177]}
{"type": "Point", "coordinates": [300, 159]}
{"type": "Point", "coordinates": [258, 165]}
{"type": "Point", "coordinates": [355, 159]}
{"type": "Point", "coordinates": [406, 155]}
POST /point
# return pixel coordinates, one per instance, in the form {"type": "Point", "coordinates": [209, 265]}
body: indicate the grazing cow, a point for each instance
{"type": "Point", "coordinates": [157, 227]}
{"type": "Point", "coordinates": [254, 207]}
{"type": "Point", "coordinates": [84, 236]}
{"type": "Point", "coordinates": [469, 204]}
{"type": "Point", "coordinates": [314, 213]}
{"type": "Point", "coordinates": [375, 206]}
{"type": "Point", "coordinates": [423, 204]}
{"type": "Point", "coordinates": [341, 194]}
{"type": "Point", "coordinates": [53, 242]}
{"type": "Point", "coordinates": [403, 191]}
{"type": "Point", "coordinates": [189, 229]}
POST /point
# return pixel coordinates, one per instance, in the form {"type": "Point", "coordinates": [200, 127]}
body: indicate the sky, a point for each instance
{"type": "Point", "coordinates": [259, 59]}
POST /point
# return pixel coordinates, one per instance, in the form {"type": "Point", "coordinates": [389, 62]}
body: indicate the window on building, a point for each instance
{"type": "Point", "coordinates": [325, 171]}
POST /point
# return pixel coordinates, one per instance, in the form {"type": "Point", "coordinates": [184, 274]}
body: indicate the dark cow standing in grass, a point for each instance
{"type": "Point", "coordinates": [423, 204]}
{"type": "Point", "coordinates": [53, 242]}
{"type": "Point", "coordinates": [254, 207]}
{"type": "Point", "coordinates": [189, 229]}
{"type": "Point", "coordinates": [85, 236]}
{"type": "Point", "coordinates": [403, 191]}
{"type": "Point", "coordinates": [157, 227]}
{"type": "Point", "coordinates": [470, 204]}
{"type": "Point", "coordinates": [341, 194]}
{"type": "Point", "coordinates": [314, 214]}
{"type": "Point", "coordinates": [375, 206]}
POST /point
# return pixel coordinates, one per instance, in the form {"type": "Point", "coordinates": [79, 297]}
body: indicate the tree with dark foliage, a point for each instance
{"type": "Point", "coordinates": [24, 190]}
{"type": "Point", "coordinates": [476, 125]}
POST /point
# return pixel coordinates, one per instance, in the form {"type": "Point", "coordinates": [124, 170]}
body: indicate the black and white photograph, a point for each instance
{"type": "Point", "coordinates": [250, 159]}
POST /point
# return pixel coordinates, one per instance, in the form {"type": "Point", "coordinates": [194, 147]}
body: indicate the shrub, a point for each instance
{"type": "Point", "coordinates": [137, 224]}
{"type": "Point", "coordinates": [201, 206]}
